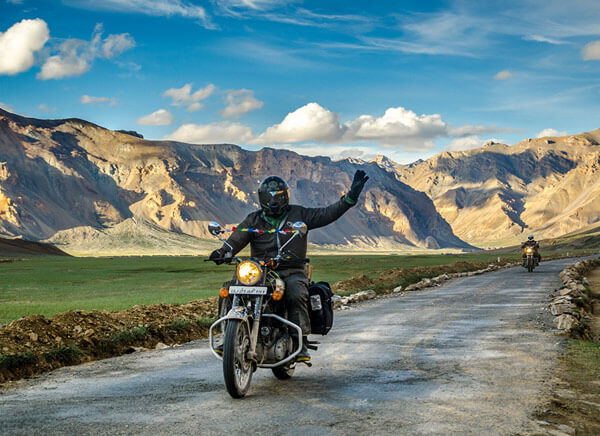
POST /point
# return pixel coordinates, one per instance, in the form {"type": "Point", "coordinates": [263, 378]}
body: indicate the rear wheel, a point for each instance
{"type": "Point", "coordinates": [237, 368]}
{"type": "Point", "coordinates": [284, 372]}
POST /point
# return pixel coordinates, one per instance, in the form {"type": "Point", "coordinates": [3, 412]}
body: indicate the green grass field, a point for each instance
{"type": "Point", "coordinates": [50, 285]}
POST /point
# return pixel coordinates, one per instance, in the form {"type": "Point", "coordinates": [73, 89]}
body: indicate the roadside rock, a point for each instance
{"type": "Point", "coordinates": [571, 303]}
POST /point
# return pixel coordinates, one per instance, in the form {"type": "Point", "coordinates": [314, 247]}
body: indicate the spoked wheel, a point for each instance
{"type": "Point", "coordinates": [237, 368]}
{"type": "Point", "coordinates": [284, 372]}
{"type": "Point", "coordinates": [530, 265]}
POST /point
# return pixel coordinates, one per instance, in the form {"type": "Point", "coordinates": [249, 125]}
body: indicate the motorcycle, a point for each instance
{"type": "Point", "coordinates": [530, 261]}
{"type": "Point", "coordinates": [253, 329]}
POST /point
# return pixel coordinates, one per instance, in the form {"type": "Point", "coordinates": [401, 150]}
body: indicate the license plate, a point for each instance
{"type": "Point", "coordinates": [248, 290]}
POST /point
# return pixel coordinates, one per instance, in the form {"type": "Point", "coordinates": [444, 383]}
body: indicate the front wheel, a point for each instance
{"type": "Point", "coordinates": [284, 372]}
{"type": "Point", "coordinates": [237, 368]}
{"type": "Point", "coordinates": [530, 264]}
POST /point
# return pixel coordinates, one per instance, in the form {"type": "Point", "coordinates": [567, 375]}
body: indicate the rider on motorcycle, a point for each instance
{"type": "Point", "coordinates": [277, 213]}
{"type": "Point", "coordinates": [531, 242]}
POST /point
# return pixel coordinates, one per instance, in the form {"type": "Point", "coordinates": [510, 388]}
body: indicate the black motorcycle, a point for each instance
{"type": "Point", "coordinates": [252, 331]}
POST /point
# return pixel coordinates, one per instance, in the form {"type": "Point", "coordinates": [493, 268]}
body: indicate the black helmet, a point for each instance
{"type": "Point", "coordinates": [274, 196]}
{"type": "Point", "coordinates": [530, 237]}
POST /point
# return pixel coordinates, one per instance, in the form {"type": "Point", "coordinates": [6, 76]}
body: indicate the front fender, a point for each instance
{"type": "Point", "coordinates": [237, 313]}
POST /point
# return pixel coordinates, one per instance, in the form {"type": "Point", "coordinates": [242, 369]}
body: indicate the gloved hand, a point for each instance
{"type": "Point", "coordinates": [217, 256]}
{"type": "Point", "coordinates": [360, 178]}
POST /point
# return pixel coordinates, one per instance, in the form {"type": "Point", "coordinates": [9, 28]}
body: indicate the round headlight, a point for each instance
{"type": "Point", "coordinates": [248, 273]}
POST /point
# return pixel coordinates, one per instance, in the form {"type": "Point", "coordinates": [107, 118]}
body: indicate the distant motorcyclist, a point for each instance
{"type": "Point", "coordinates": [531, 242]}
{"type": "Point", "coordinates": [277, 213]}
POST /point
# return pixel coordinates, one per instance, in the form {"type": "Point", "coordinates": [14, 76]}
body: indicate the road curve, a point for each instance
{"type": "Point", "coordinates": [471, 356]}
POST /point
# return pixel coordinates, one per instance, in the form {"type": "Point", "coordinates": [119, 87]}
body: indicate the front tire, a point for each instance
{"type": "Point", "coordinates": [284, 372]}
{"type": "Point", "coordinates": [237, 368]}
{"type": "Point", "coordinates": [530, 264]}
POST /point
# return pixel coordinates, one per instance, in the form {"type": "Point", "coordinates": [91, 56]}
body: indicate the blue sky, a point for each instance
{"type": "Point", "coordinates": [345, 79]}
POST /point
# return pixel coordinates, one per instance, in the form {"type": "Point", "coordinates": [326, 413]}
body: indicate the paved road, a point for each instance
{"type": "Point", "coordinates": [472, 356]}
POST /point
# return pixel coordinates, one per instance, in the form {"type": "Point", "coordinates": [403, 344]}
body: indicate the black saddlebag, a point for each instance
{"type": "Point", "coordinates": [320, 308]}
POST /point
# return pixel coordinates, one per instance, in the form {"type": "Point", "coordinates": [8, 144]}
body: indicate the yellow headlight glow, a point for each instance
{"type": "Point", "coordinates": [248, 273]}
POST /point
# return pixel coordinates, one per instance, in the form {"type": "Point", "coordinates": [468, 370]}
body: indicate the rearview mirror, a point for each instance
{"type": "Point", "coordinates": [300, 227]}
{"type": "Point", "coordinates": [214, 228]}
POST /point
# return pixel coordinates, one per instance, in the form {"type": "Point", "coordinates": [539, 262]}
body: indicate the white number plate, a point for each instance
{"type": "Point", "coordinates": [248, 290]}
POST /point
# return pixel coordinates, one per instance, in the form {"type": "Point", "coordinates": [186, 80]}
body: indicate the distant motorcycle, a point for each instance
{"type": "Point", "coordinates": [253, 328]}
{"type": "Point", "coordinates": [530, 260]}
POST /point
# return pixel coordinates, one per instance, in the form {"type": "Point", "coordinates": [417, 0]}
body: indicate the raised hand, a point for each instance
{"type": "Point", "coordinates": [360, 178]}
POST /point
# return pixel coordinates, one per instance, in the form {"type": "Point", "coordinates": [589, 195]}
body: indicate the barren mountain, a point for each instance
{"type": "Point", "coordinates": [72, 180]}
{"type": "Point", "coordinates": [498, 194]}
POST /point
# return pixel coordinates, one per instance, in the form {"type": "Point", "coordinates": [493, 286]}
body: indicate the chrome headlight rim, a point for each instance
{"type": "Point", "coordinates": [248, 272]}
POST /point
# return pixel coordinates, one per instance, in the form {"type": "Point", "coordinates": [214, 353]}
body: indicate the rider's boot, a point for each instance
{"type": "Point", "coordinates": [303, 355]}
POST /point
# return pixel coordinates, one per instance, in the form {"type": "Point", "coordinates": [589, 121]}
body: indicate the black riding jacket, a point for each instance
{"type": "Point", "coordinates": [266, 245]}
{"type": "Point", "coordinates": [534, 244]}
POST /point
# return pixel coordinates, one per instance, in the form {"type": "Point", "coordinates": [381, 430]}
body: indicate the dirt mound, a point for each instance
{"type": "Point", "coordinates": [352, 284]}
{"type": "Point", "coordinates": [34, 344]}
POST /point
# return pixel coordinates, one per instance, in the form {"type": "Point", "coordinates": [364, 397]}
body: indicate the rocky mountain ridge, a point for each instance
{"type": "Point", "coordinates": [68, 179]}
{"type": "Point", "coordinates": [497, 194]}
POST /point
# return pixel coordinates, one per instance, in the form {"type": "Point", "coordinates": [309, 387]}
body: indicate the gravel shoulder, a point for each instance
{"type": "Point", "coordinates": [475, 355]}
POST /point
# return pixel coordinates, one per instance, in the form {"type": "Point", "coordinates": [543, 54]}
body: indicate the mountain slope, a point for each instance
{"type": "Point", "coordinates": [497, 194]}
{"type": "Point", "coordinates": [59, 175]}
{"type": "Point", "coordinates": [20, 247]}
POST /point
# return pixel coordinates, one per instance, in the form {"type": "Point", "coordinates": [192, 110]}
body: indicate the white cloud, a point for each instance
{"type": "Point", "coordinates": [86, 99]}
{"type": "Point", "coordinates": [184, 97]}
{"type": "Point", "coordinates": [240, 102]}
{"type": "Point", "coordinates": [311, 122]}
{"type": "Point", "coordinates": [465, 143]}
{"type": "Point", "coordinates": [161, 117]}
{"type": "Point", "coordinates": [439, 33]}
{"type": "Point", "coordinates": [463, 28]}
{"type": "Point", "coordinates": [550, 132]}
{"type": "Point", "coordinates": [397, 127]}
{"type": "Point", "coordinates": [540, 38]}
{"type": "Point", "coordinates": [311, 126]}
{"type": "Point", "coordinates": [215, 133]}
{"type": "Point", "coordinates": [159, 8]}
{"type": "Point", "coordinates": [76, 56]}
{"type": "Point", "coordinates": [44, 108]}
{"type": "Point", "coordinates": [19, 44]}
{"type": "Point", "coordinates": [114, 45]}
{"type": "Point", "coordinates": [7, 107]}
{"type": "Point", "coordinates": [251, 4]}
{"type": "Point", "coordinates": [469, 130]}
{"type": "Point", "coordinates": [73, 60]}
{"type": "Point", "coordinates": [591, 51]}
{"type": "Point", "coordinates": [503, 75]}
{"type": "Point", "coordinates": [195, 107]}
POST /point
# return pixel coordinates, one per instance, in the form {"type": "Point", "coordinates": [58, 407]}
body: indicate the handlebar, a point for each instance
{"type": "Point", "coordinates": [284, 260]}
{"type": "Point", "coordinates": [296, 260]}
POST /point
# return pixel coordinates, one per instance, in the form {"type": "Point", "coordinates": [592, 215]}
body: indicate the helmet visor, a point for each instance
{"type": "Point", "coordinates": [274, 203]}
